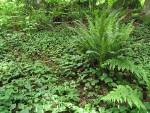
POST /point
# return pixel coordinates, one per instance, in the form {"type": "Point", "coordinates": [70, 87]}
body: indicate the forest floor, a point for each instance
{"type": "Point", "coordinates": [43, 71]}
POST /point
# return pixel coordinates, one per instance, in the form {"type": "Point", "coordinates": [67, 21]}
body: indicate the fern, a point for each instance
{"type": "Point", "coordinates": [123, 64]}
{"type": "Point", "coordinates": [104, 36]}
{"type": "Point", "coordinates": [123, 94]}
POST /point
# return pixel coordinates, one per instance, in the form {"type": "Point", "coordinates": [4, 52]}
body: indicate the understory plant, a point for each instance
{"type": "Point", "coordinates": [104, 37]}
{"type": "Point", "coordinates": [125, 94]}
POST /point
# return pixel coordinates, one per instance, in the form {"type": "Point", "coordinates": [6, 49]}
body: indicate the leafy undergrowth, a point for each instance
{"type": "Point", "coordinates": [43, 73]}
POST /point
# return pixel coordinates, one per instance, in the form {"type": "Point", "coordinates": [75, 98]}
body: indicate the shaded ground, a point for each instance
{"type": "Point", "coordinates": [43, 72]}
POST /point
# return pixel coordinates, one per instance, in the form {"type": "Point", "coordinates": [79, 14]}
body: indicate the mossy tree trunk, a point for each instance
{"type": "Point", "coordinates": [146, 9]}
{"type": "Point", "coordinates": [127, 4]}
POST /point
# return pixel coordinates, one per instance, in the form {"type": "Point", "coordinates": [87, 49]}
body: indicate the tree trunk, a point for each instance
{"type": "Point", "coordinates": [127, 4]}
{"type": "Point", "coordinates": [146, 9]}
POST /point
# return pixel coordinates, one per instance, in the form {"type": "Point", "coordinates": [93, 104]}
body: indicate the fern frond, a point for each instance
{"type": "Point", "coordinates": [123, 64]}
{"type": "Point", "coordinates": [123, 94]}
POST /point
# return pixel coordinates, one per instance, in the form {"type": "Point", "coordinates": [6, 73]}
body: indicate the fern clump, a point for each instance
{"type": "Point", "coordinates": [104, 37]}
{"type": "Point", "coordinates": [123, 94]}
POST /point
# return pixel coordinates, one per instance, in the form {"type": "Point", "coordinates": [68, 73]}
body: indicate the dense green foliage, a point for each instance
{"type": "Point", "coordinates": [79, 56]}
{"type": "Point", "coordinates": [104, 38]}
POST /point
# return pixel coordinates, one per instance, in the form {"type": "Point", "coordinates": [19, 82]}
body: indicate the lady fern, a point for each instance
{"type": "Point", "coordinates": [123, 94]}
